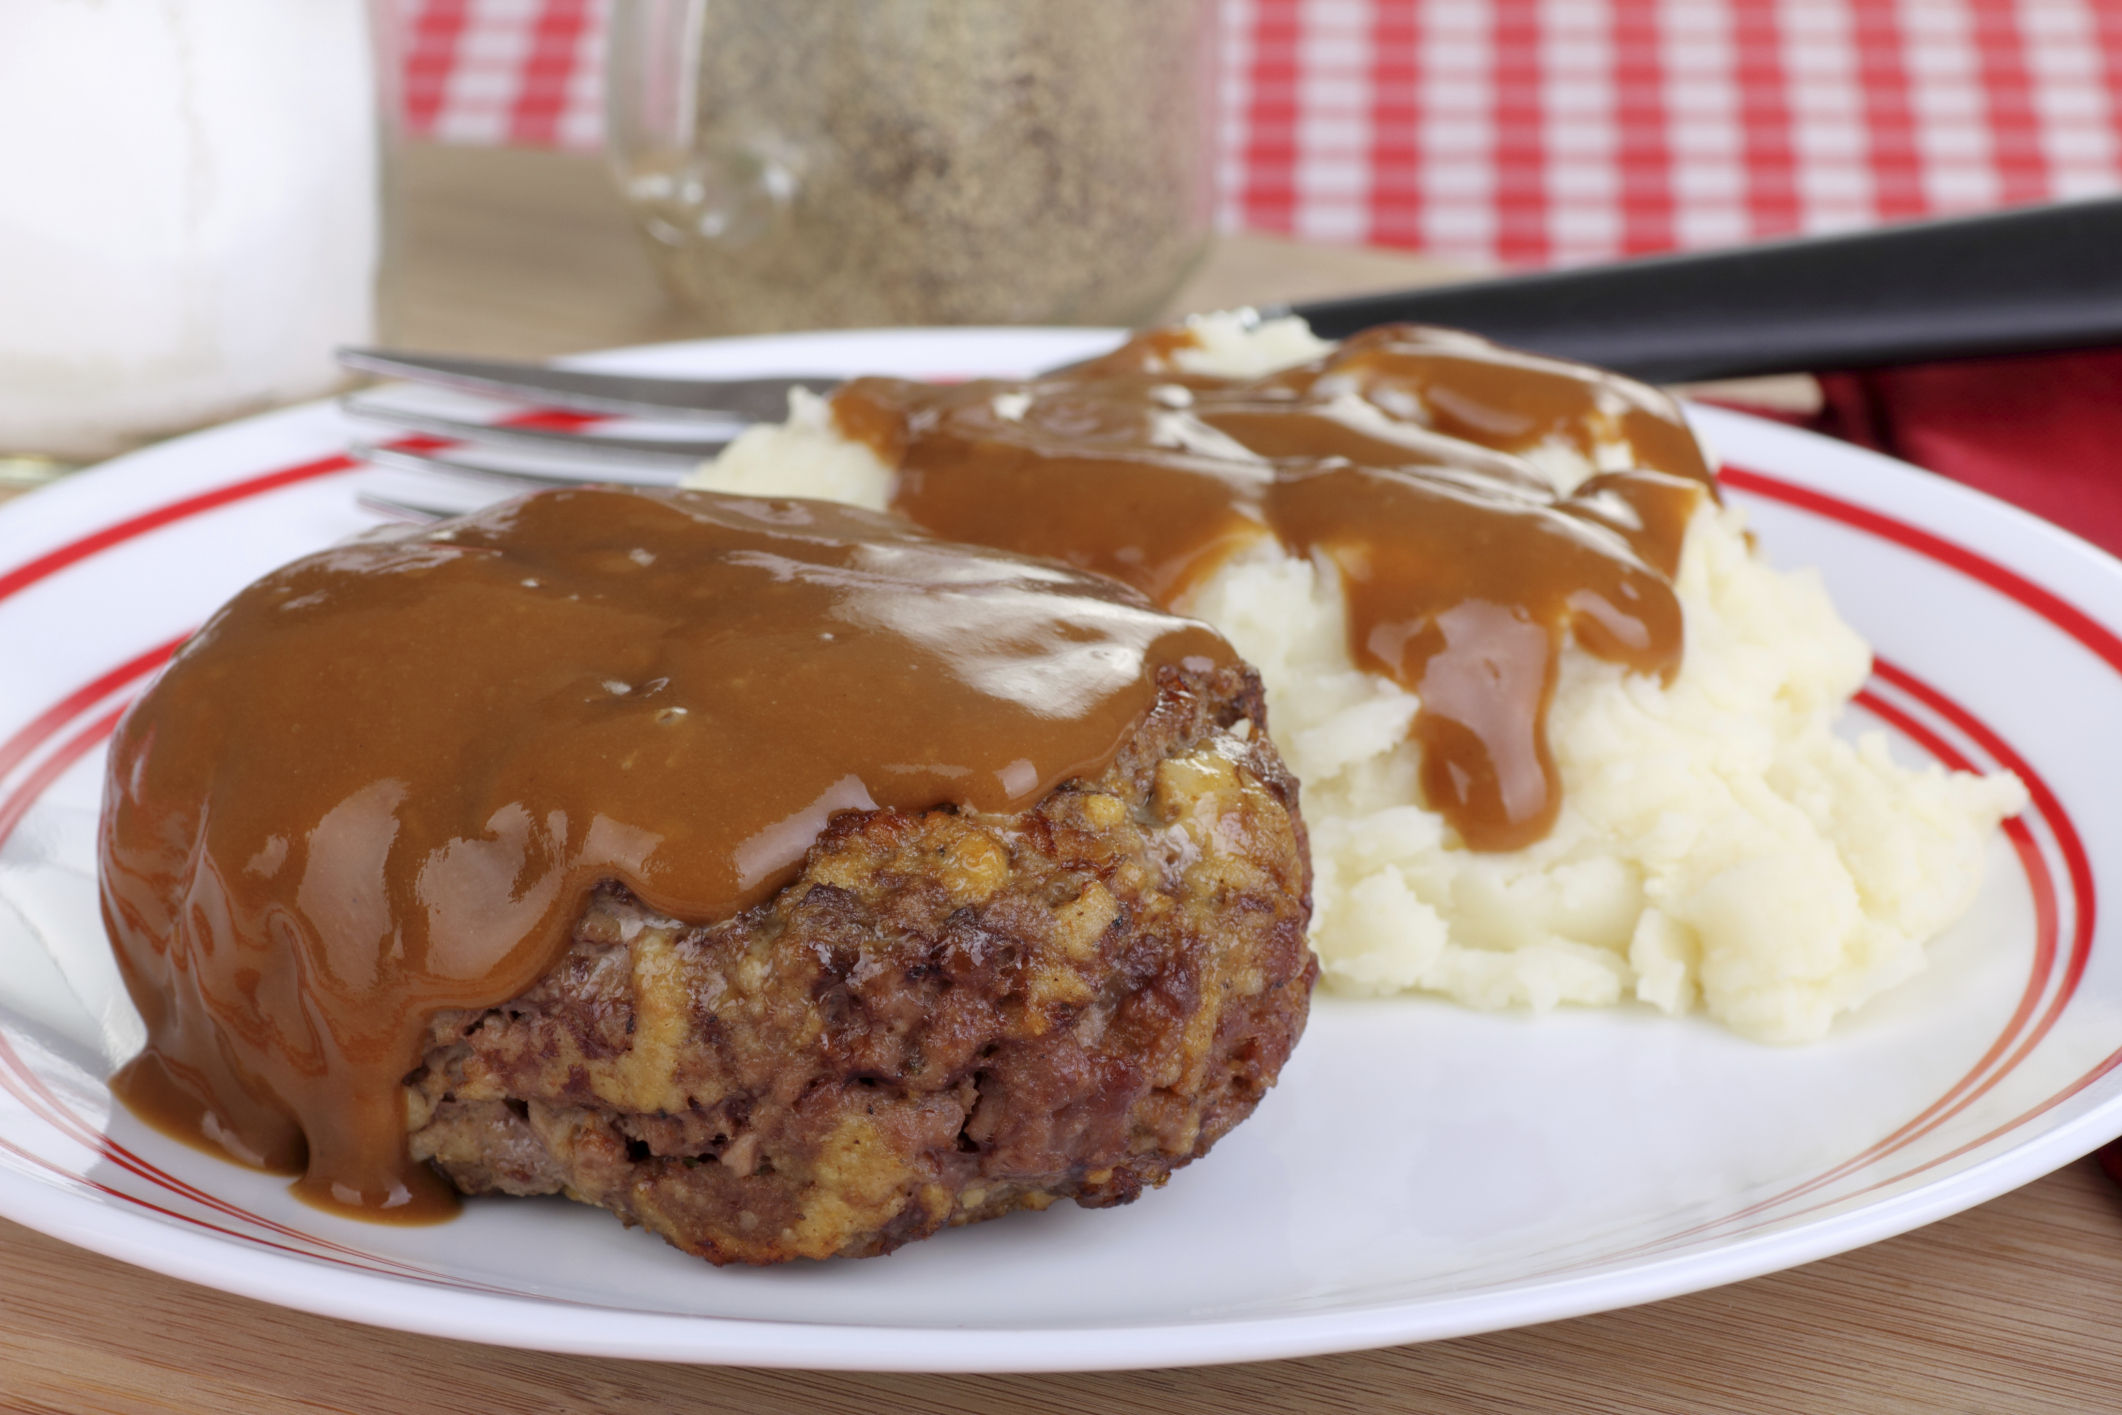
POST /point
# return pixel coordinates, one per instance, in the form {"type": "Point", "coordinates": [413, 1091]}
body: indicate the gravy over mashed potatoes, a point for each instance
{"type": "Point", "coordinates": [1714, 841]}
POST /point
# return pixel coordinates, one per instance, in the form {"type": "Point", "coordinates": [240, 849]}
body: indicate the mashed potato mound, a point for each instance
{"type": "Point", "coordinates": [1717, 844]}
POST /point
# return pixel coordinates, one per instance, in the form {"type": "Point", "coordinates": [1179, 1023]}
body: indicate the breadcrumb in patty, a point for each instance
{"type": "Point", "coordinates": [944, 1018]}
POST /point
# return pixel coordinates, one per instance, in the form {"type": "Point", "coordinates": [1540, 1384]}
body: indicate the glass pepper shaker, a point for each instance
{"type": "Point", "coordinates": [839, 163]}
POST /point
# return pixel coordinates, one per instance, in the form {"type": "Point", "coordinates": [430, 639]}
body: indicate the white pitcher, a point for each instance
{"type": "Point", "coordinates": [188, 212]}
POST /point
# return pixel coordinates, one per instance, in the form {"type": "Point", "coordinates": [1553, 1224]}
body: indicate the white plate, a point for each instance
{"type": "Point", "coordinates": [1421, 1171]}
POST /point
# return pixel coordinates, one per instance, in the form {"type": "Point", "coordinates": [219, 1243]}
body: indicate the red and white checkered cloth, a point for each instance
{"type": "Point", "coordinates": [523, 73]}
{"type": "Point", "coordinates": [1525, 132]}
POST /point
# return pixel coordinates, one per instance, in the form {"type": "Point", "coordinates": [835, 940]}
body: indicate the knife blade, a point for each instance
{"type": "Point", "coordinates": [2038, 278]}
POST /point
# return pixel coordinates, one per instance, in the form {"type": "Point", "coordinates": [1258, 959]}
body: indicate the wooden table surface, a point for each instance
{"type": "Point", "coordinates": [2007, 1308]}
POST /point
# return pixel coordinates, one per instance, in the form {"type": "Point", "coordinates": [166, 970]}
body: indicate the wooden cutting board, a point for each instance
{"type": "Point", "coordinates": [2004, 1309]}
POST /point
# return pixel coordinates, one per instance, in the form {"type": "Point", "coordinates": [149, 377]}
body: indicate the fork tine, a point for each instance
{"type": "Point", "coordinates": [684, 454]}
{"type": "Point", "coordinates": [392, 509]}
{"type": "Point", "coordinates": [424, 462]}
{"type": "Point", "coordinates": [716, 400]}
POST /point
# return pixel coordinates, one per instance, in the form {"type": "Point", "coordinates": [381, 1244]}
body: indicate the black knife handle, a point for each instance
{"type": "Point", "coordinates": [2038, 278]}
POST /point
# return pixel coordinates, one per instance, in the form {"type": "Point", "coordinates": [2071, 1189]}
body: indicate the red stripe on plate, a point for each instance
{"type": "Point", "coordinates": [2075, 857]}
{"type": "Point", "coordinates": [2068, 617]}
{"type": "Point", "coordinates": [2048, 1104]}
{"type": "Point", "coordinates": [1974, 1083]}
{"type": "Point", "coordinates": [20, 1081]}
{"type": "Point", "coordinates": [117, 533]}
{"type": "Point", "coordinates": [30, 1089]}
{"type": "Point", "coordinates": [23, 576]}
{"type": "Point", "coordinates": [2049, 605]}
{"type": "Point", "coordinates": [357, 1259]}
{"type": "Point", "coordinates": [45, 724]}
{"type": "Point", "coordinates": [52, 768]}
{"type": "Point", "coordinates": [2041, 601]}
{"type": "Point", "coordinates": [2040, 882]}
{"type": "Point", "coordinates": [31, 1157]}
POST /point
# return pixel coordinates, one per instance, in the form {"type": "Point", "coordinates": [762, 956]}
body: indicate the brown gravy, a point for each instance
{"type": "Point", "coordinates": [1400, 456]}
{"type": "Point", "coordinates": [383, 780]}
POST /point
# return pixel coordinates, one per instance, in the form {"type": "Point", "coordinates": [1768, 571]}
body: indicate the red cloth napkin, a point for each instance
{"type": "Point", "coordinates": [2042, 431]}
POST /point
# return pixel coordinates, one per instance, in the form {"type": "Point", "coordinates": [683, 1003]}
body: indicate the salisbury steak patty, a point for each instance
{"type": "Point", "coordinates": [945, 1017]}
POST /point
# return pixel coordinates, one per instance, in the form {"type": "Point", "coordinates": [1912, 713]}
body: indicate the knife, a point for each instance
{"type": "Point", "coordinates": [2038, 278]}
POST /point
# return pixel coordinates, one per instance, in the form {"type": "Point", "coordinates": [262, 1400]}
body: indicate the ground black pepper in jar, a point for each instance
{"type": "Point", "coordinates": [843, 163]}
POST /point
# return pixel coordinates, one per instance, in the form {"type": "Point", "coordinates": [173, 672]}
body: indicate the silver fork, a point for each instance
{"type": "Point", "coordinates": [581, 455]}
{"type": "Point", "coordinates": [2040, 278]}
{"type": "Point", "coordinates": [594, 458]}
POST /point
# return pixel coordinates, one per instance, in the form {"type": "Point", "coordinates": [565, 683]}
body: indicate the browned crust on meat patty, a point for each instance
{"type": "Point", "coordinates": [946, 1016]}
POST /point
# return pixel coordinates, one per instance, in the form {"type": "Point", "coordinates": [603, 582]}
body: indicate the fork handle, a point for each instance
{"type": "Point", "coordinates": [2012, 282]}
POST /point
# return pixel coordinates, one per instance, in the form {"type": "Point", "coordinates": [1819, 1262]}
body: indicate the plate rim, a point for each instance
{"type": "Point", "coordinates": [163, 1247]}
